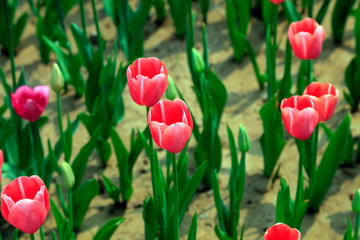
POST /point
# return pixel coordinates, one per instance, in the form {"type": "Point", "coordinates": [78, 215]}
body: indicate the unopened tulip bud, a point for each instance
{"type": "Point", "coordinates": [57, 79]}
{"type": "Point", "coordinates": [67, 176]}
{"type": "Point", "coordinates": [197, 61]}
{"type": "Point", "coordinates": [243, 139]}
{"type": "Point", "coordinates": [171, 90]}
{"type": "Point", "coordinates": [356, 202]}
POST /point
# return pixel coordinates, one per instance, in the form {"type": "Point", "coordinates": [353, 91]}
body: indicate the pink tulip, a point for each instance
{"type": "Point", "coordinates": [281, 231]}
{"type": "Point", "coordinates": [30, 103]}
{"type": "Point", "coordinates": [1, 162]}
{"type": "Point", "coordinates": [300, 116]}
{"type": "Point", "coordinates": [170, 124]}
{"type": "Point", "coordinates": [306, 38]}
{"type": "Point", "coordinates": [147, 79]}
{"type": "Point", "coordinates": [277, 1]}
{"type": "Point", "coordinates": [25, 203]}
{"type": "Point", "coordinates": [327, 96]}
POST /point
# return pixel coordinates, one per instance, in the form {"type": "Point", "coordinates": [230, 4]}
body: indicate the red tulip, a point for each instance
{"type": "Point", "coordinates": [170, 124]}
{"type": "Point", "coordinates": [1, 162]}
{"type": "Point", "coordinates": [300, 116]}
{"type": "Point", "coordinates": [30, 103]}
{"type": "Point", "coordinates": [327, 96]}
{"type": "Point", "coordinates": [306, 38]}
{"type": "Point", "coordinates": [277, 1]}
{"type": "Point", "coordinates": [25, 203]}
{"type": "Point", "coordinates": [147, 79]}
{"type": "Point", "coordinates": [281, 231]}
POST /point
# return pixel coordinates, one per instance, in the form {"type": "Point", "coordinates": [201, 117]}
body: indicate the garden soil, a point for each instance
{"type": "Point", "coordinates": [243, 104]}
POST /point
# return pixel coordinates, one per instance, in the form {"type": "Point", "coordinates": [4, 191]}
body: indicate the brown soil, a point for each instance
{"type": "Point", "coordinates": [243, 104]}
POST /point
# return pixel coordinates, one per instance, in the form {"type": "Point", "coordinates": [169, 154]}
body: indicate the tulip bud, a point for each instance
{"type": "Point", "coordinates": [67, 176]}
{"type": "Point", "coordinates": [57, 79]}
{"type": "Point", "coordinates": [243, 140]}
{"type": "Point", "coordinates": [356, 202]}
{"type": "Point", "coordinates": [197, 61]}
{"type": "Point", "coordinates": [171, 90]}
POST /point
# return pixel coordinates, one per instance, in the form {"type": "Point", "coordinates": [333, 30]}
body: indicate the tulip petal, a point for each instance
{"type": "Point", "coordinates": [288, 115]}
{"type": "Point", "coordinates": [42, 95]}
{"type": "Point", "coordinates": [282, 231]}
{"type": "Point", "coordinates": [32, 110]}
{"type": "Point", "coordinates": [304, 123]}
{"type": "Point", "coordinates": [175, 137]}
{"type": "Point", "coordinates": [157, 130]}
{"type": "Point", "coordinates": [154, 89]}
{"type": "Point", "coordinates": [27, 215]}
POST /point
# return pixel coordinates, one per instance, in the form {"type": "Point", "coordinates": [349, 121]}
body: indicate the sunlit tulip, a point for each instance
{"type": "Point", "coordinates": [306, 38]}
{"type": "Point", "coordinates": [281, 231]}
{"type": "Point", "coordinates": [300, 116]}
{"type": "Point", "coordinates": [30, 103]}
{"type": "Point", "coordinates": [25, 203]}
{"type": "Point", "coordinates": [170, 124]}
{"type": "Point", "coordinates": [277, 1]}
{"type": "Point", "coordinates": [147, 79]}
{"type": "Point", "coordinates": [327, 96]}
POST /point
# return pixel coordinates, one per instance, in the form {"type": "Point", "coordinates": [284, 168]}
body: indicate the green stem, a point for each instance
{"type": "Point", "coordinates": [83, 19]}
{"type": "Point", "coordinates": [356, 229]}
{"type": "Point", "coordinates": [11, 47]}
{"type": "Point", "coordinates": [70, 211]}
{"type": "Point", "coordinates": [152, 163]}
{"type": "Point", "coordinates": [314, 144]}
{"type": "Point", "coordinates": [99, 38]}
{"type": "Point", "coordinates": [32, 236]}
{"type": "Point", "coordinates": [309, 78]}
{"type": "Point", "coordinates": [36, 136]}
{"type": "Point", "coordinates": [61, 15]}
{"type": "Point", "coordinates": [176, 200]}
{"type": "Point", "coordinates": [42, 236]}
{"type": "Point", "coordinates": [299, 189]}
{"type": "Point", "coordinates": [271, 88]}
{"type": "Point", "coordinates": [310, 8]}
{"type": "Point", "coordinates": [62, 135]}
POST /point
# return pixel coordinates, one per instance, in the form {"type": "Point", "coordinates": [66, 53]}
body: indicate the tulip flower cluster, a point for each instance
{"type": "Point", "coordinates": [301, 114]}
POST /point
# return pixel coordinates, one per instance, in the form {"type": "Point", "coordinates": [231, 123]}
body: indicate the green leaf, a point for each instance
{"type": "Point", "coordinates": [80, 161]}
{"type": "Point", "coordinates": [321, 14]}
{"type": "Point", "coordinates": [221, 234]}
{"type": "Point", "coordinates": [108, 229]}
{"type": "Point", "coordinates": [272, 140]}
{"type": "Point", "coordinates": [111, 189]}
{"type": "Point", "coordinates": [330, 161]}
{"type": "Point", "coordinates": [186, 195]}
{"type": "Point", "coordinates": [352, 80]}
{"type": "Point", "coordinates": [59, 218]}
{"type": "Point", "coordinates": [82, 198]}
{"type": "Point", "coordinates": [348, 233]}
{"type": "Point", "coordinates": [292, 15]}
{"type": "Point", "coordinates": [218, 92]}
{"type": "Point", "coordinates": [18, 28]}
{"type": "Point", "coordinates": [339, 17]}
{"type": "Point", "coordinates": [152, 225]}
{"type": "Point", "coordinates": [193, 228]}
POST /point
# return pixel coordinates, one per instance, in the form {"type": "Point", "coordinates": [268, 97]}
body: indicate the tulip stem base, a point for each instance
{"type": "Point", "coordinates": [32, 236]}
{"type": "Point", "coordinates": [42, 236]}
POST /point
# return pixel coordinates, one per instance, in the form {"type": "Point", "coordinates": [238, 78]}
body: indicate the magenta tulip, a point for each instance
{"type": "Point", "coordinates": [147, 79]}
{"type": "Point", "coordinates": [327, 96]}
{"type": "Point", "coordinates": [277, 1]}
{"type": "Point", "coordinates": [170, 124]}
{"type": "Point", "coordinates": [300, 116]}
{"type": "Point", "coordinates": [306, 38]}
{"type": "Point", "coordinates": [25, 203]}
{"type": "Point", "coordinates": [30, 103]}
{"type": "Point", "coordinates": [281, 231]}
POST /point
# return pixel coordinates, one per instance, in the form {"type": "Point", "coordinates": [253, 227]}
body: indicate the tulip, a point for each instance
{"type": "Point", "coordinates": [25, 203]}
{"type": "Point", "coordinates": [277, 2]}
{"type": "Point", "coordinates": [170, 124]}
{"type": "Point", "coordinates": [147, 79]}
{"type": "Point", "coordinates": [306, 38]}
{"type": "Point", "coordinates": [300, 116]}
{"type": "Point", "coordinates": [30, 103]}
{"type": "Point", "coordinates": [282, 231]}
{"type": "Point", "coordinates": [327, 96]}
